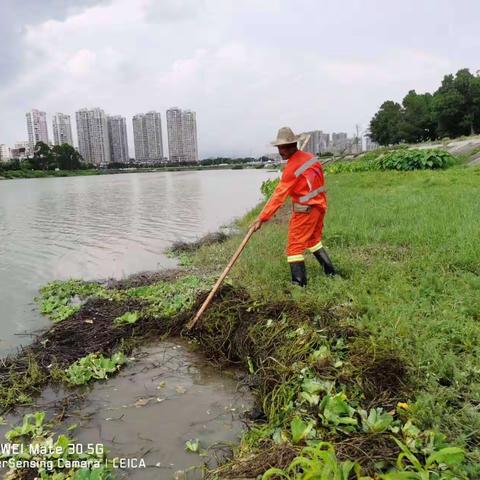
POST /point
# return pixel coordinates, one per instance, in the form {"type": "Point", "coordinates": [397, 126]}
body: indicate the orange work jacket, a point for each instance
{"type": "Point", "coordinates": [303, 180]}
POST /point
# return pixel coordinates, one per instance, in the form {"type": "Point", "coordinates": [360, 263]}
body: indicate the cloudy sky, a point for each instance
{"type": "Point", "coordinates": [246, 67]}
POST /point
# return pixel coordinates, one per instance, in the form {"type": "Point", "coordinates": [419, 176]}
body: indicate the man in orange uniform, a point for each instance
{"type": "Point", "coordinates": [303, 180]}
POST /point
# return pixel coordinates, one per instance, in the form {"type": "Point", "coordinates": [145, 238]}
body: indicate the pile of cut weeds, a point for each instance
{"type": "Point", "coordinates": [272, 342]}
{"type": "Point", "coordinates": [209, 239]}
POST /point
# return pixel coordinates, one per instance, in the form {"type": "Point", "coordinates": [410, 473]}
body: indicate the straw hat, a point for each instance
{"type": "Point", "coordinates": [285, 136]}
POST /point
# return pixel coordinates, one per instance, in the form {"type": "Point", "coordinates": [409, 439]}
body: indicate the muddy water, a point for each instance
{"type": "Point", "coordinates": [165, 397]}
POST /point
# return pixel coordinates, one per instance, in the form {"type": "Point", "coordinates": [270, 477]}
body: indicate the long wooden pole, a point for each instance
{"type": "Point", "coordinates": [232, 261]}
{"type": "Point", "coordinates": [215, 288]}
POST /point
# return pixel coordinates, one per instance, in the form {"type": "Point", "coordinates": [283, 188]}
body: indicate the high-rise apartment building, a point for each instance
{"type": "Point", "coordinates": [370, 144]}
{"type": "Point", "coordinates": [339, 143]}
{"type": "Point", "coordinates": [139, 138]}
{"type": "Point", "coordinates": [93, 141]}
{"type": "Point", "coordinates": [339, 137]}
{"type": "Point", "coordinates": [318, 142]}
{"type": "Point", "coordinates": [175, 135]}
{"type": "Point", "coordinates": [4, 153]}
{"type": "Point", "coordinates": [182, 135]}
{"type": "Point", "coordinates": [147, 137]}
{"type": "Point", "coordinates": [36, 127]}
{"type": "Point", "coordinates": [117, 134]}
{"type": "Point", "coordinates": [62, 129]}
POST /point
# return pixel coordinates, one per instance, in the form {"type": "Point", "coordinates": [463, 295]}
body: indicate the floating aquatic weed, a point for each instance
{"type": "Point", "coordinates": [94, 366]}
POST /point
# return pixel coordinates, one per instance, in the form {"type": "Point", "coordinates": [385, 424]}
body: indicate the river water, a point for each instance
{"type": "Point", "coordinates": [104, 226]}
{"type": "Point", "coordinates": [109, 227]}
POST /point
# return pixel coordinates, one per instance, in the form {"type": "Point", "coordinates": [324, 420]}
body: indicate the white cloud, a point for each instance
{"type": "Point", "coordinates": [245, 67]}
{"type": "Point", "coordinates": [81, 63]}
{"type": "Point", "coordinates": [398, 66]}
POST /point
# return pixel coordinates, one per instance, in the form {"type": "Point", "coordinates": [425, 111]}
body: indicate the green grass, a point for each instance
{"type": "Point", "coordinates": [407, 245]}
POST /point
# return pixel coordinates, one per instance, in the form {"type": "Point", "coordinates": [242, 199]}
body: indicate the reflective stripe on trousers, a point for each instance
{"type": "Point", "coordinates": [316, 247]}
{"type": "Point", "coordinates": [295, 258]}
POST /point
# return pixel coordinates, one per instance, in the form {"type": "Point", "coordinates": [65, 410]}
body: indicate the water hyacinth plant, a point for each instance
{"type": "Point", "coordinates": [94, 366]}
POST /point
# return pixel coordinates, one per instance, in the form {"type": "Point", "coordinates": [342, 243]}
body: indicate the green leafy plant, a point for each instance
{"type": "Point", "coordinates": [300, 430]}
{"type": "Point", "coordinates": [318, 462]}
{"type": "Point", "coordinates": [335, 411]}
{"type": "Point", "coordinates": [312, 386]}
{"type": "Point", "coordinates": [32, 426]}
{"type": "Point", "coordinates": [94, 366]}
{"type": "Point", "coordinates": [268, 186]}
{"type": "Point", "coordinates": [376, 421]}
{"type": "Point", "coordinates": [169, 298]}
{"type": "Point", "coordinates": [440, 465]}
{"type": "Point", "coordinates": [127, 318]}
{"type": "Point", "coordinates": [102, 473]}
{"type": "Point", "coordinates": [396, 159]}
{"type": "Point", "coordinates": [50, 453]}
{"type": "Point", "coordinates": [56, 297]}
{"type": "Point", "coordinates": [416, 159]}
{"type": "Point", "coordinates": [359, 165]}
{"type": "Point", "coordinates": [192, 445]}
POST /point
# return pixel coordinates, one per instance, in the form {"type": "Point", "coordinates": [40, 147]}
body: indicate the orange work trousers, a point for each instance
{"type": "Point", "coordinates": [305, 232]}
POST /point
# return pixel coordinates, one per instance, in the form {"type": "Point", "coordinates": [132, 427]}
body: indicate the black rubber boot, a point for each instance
{"type": "Point", "coordinates": [299, 273]}
{"type": "Point", "coordinates": [322, 256]}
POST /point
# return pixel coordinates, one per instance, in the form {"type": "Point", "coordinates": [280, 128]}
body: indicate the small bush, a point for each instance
{"type": "Point", "coordinates": [268, 186]}
{"type": "Point", "coordinates": [398, 159]}
{"type": "Point", "coordinates": [416, 159]}
{"type": "Point", "coordinates": [361, 165]}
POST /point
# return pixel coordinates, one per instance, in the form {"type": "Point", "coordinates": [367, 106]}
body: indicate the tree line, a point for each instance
{"type": "Point", "coordinates": [451, 111]}
{"type": "Point", "coordinates": [66, 157]}
{"type": "Point", "coordinates": [61, 157]}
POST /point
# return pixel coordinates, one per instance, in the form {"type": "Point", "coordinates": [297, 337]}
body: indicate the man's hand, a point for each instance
{"type": "Point", "coordinates": [256, 225]}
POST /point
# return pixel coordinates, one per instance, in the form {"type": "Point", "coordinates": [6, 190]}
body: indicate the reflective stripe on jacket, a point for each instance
{"type": "Point", "coordinates": [303, 180]}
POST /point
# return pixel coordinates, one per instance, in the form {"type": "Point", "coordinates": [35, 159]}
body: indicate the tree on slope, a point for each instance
{"type": "Point", "coordinates": [457, 104]}
{"type": "Point", "coordinates": [418, 121]}
{"type": "Point", "coordinates": [385, 125]}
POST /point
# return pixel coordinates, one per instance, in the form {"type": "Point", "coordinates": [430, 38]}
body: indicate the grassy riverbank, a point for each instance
{"type": "Point", "coordinates": [386, 353]}
{"type": "Point", "coordinates": [407, 247]}
{"type": "Point", "coordinates": [16, 174]}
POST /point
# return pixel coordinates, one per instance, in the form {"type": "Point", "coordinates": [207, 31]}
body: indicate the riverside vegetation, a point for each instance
{"type": "Point", "coordinates": [65, 161]}
{"type": "Point", "coordinates": [371, 374]}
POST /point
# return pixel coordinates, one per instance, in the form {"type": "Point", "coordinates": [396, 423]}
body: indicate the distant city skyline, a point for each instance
{"type": "Point", "coordinates": [103, 138]}
{"type": "Point", "coordinates": [147, 145]}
